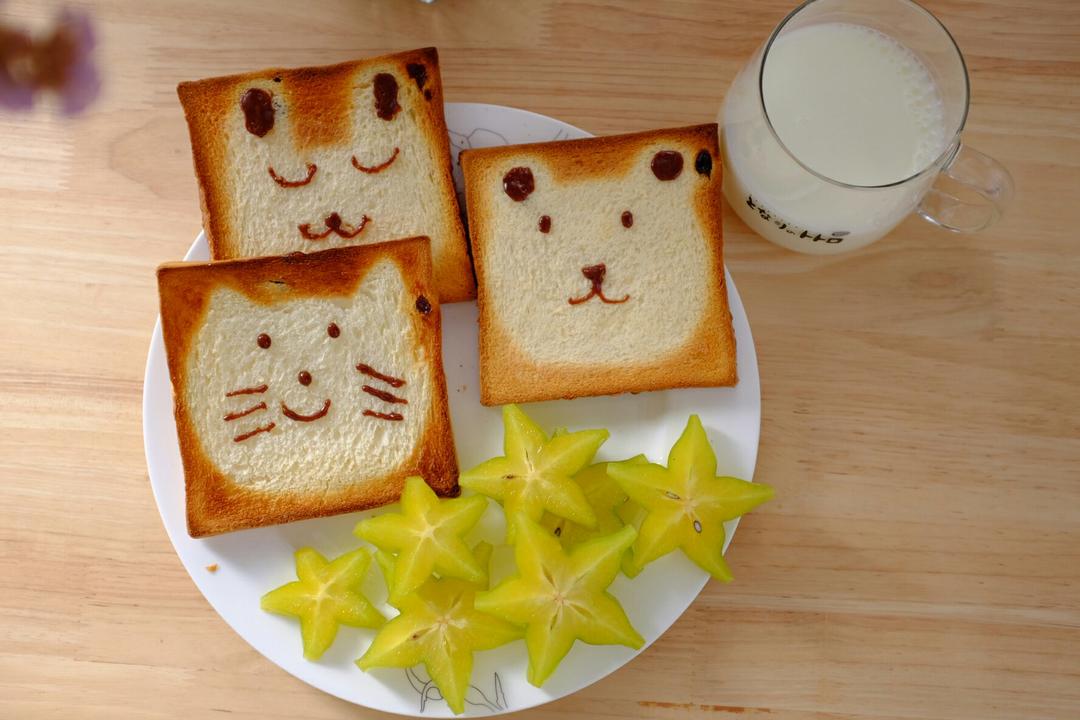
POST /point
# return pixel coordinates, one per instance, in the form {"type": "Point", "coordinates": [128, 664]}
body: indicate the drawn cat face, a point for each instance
{"type": "Point", "coordinates": [313, 388]}
{"type": "Point", "coordinates": [313, 155]}
{"type": "Point", "coordinates": [614, 259]}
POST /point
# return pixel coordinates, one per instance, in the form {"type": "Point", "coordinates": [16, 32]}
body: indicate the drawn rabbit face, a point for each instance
{"type": "Point", "coordinates": [310, 154]}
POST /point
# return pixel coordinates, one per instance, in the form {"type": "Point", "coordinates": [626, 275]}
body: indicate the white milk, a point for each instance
{"type": "Point", "coordinates": [852, 104]}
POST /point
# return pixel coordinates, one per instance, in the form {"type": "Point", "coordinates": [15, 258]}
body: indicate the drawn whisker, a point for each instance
{"type": "Point", "coordinates": [253, 433]}
{"type": "Point", "coordinates": [247, 391]}
{"type": "Point", "coordinates": [384, 416]}
{"type": "Point", "coordinates": [385, 396]}
{"type": "Point", "coordinates": [237, 415]}
{"type": "Point", "coordinates": [388, 379]}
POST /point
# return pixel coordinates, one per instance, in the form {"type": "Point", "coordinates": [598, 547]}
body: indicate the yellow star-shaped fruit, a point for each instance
{"type": "Point", "coordinates": [439, 627]}
{"type": "Point", "coordinates": [686, 504]}
{"type": "Point", "coordinates": [606, 499]}
{"type": "Point", "coordinates": [536, 472]}
{"type": "Point", "coordinates": [561, 598]}
{"type": "Point", "coordinates": [326, 595]}
{"type": "Point", "coordinates": [426, 537]}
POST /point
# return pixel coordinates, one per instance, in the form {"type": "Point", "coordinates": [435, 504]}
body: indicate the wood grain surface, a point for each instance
{"type": "Point", "coordinates": [921, 398]}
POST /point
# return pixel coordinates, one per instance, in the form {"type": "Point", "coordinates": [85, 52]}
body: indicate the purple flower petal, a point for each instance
{"type": "Point", "coordinates": [81, 81]}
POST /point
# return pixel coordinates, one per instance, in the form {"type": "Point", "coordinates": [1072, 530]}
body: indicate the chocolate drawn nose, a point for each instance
{"type": "Point", "coordinates": [333, 222]}
{"type": "Point", "coordinates": [595, 273]}
{"type": "Point", "coordinates": [304, 377]}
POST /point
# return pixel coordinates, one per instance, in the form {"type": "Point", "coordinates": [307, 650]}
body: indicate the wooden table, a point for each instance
{"type": "Point", "coordinates": [921, 398]}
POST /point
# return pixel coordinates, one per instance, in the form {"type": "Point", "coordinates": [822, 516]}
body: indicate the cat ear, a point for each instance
{"type": "Point", "coordinates": [226, 296]}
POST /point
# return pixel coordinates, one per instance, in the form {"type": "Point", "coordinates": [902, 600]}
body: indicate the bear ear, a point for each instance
{"type": "Point", "coordinates": [667, 164]}
{"type": "Point", "coordinates": [518, 183]}
{"type": "Point", "coordinates": [258, 108]}
{"type": "Point", "coordinates": [703, 163]}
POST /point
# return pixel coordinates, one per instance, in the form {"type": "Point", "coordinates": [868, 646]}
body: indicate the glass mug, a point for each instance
{"type": "Point", "coordinates": [819, 167]}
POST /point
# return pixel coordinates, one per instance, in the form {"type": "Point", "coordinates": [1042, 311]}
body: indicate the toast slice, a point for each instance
{"type": "Point", "coordinates": [599, 265]}
{"type": "Point", "coordinates": [318, 157]}
{"type": "Point", "coordinates": [306, 385]}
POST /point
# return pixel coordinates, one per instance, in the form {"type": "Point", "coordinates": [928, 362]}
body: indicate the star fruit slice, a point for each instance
{"type": "Point", "coordinates": [535, 473]}
{"type": "Point", "coordinates": [561, 598]}
{"type": "Point", "coordinates": [440, 627]}
{"type": "Point", "coordinates": [426, 537]}
{"type": "Point", "coordinates": [327, 594]}
{"type": "Point", "coordinates": [685, 503]}
{"type": "Point", "coordinates": [606, 499]}
{"type": "Point", "coordinates": [481, 551]}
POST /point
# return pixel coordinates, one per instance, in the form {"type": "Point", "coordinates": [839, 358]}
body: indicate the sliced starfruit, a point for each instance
{"type": "Point", "coordinates": [606, 499]}
{"type": "Point", "coordinates": [630, 513]}
{"type": "Point", "coordinates": [686, 504]}
{"type": "Point", "coordinates": [560, 597]}
{"type": "Point", "coordinates": [327, 594]}
{"type": "Point", "coordinates": [481, 551]}
{"type": "Point", "coordinates": [535, 473]}
{"type": "Point", "coordinates": [426, 537]}
{"type": "Point", "coordinates": [439, 627]}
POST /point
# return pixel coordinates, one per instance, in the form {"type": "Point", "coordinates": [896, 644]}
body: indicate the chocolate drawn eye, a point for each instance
{"type": "Point", "coordinates": [386, 91]}
{"type": "Point", "coordinates": [627, 219]}
{"type": "Point", "coordinates": [263, 340]}
{"type": "Point", "coordinates": [667, 164]}
{"type": "Point", "coordinates": [333, 330]}
{"type": "Point", "coordinates": [545, 224]}
{"type": "Point", "coordinates": [258, 110]}
{"type": "Point", "coordinates": [518, 183]}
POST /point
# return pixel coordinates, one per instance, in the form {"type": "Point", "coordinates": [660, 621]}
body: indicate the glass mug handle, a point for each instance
{"type": "Point", "coordinates": [969, 194]}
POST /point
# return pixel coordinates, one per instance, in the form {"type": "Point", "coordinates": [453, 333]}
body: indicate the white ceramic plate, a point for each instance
{"type": "Point", "coordinates": [254, 561]}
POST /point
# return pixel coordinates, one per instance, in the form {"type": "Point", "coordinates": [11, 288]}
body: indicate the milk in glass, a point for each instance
{"type": "Point", "coordinates": [849, 106]}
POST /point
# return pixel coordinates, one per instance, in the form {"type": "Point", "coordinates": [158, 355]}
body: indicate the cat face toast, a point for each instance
{"type": "Point", "coordinates": [311, 158]}
{"type": "Point", "coordinates": [306, 385]}
{"type": "Point", "coordinates": [600, 265]}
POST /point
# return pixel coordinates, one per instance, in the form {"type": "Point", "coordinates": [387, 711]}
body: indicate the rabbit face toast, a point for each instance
{"type": "Point", "coordinates": [312, 158]}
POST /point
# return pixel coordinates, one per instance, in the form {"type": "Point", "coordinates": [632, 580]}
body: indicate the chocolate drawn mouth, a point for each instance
{"type": "Point", "coordinates": [595, 275]}
{"type": "Point", "coordinates": [293, 415]}
{"type": "Point", "coordinates": [334, 224]}
{"type": "Point", "coordinates": [378, 167]}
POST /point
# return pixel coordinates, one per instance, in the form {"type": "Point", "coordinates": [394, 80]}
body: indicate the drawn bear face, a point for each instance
{"type": "Point", "coordinates": [612, 261]}
{"type": "Point", "coordinates": [600, 265]}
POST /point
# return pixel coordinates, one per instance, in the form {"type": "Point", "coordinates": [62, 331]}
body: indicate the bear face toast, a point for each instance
{"type": "Point", "coordinates": [306, 385]}
{"type": "Point", "coordinates": [312, 158]}
{"type": "Point", "coordinates": [599, 265]}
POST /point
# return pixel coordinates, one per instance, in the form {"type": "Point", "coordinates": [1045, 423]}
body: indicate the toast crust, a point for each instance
{"type": "Point", "coordinates": [320, 97]}
{"type": "Point", "coordinates": [507, 374]}
{"type": "Point", "coordinates": [216, 504]}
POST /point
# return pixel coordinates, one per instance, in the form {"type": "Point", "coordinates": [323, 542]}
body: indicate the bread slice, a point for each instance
{"type": "Point", "coordinates": [600, 265]}
{"type": "Point", "coordinates": [306, 385]}
{"type": "Point", "coordinates": [319, 157]}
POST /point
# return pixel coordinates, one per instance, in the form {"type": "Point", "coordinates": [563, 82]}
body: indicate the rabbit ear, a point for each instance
{"type": "Point", "coordinates": [667, 164]}
{"type": "Point", "coordinates": [518, 183]}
